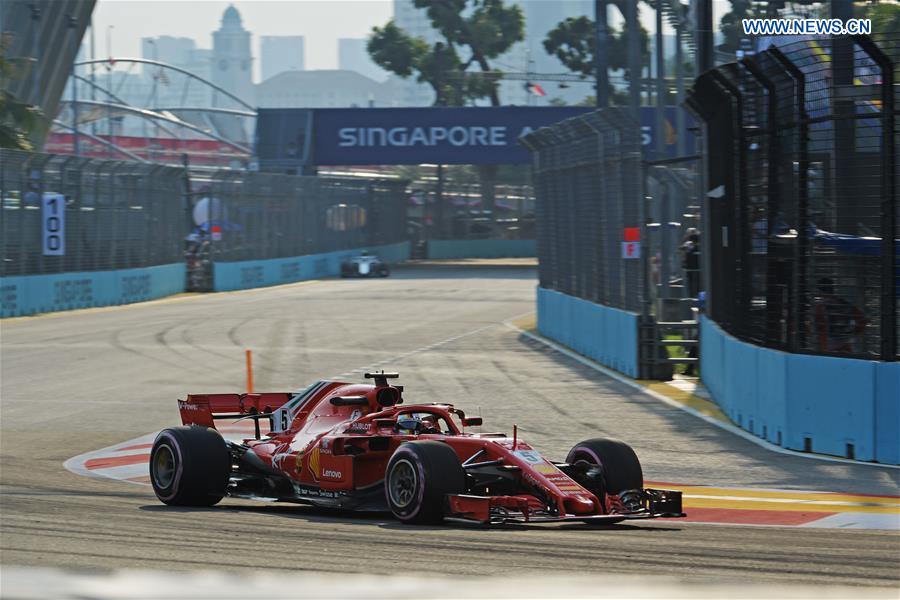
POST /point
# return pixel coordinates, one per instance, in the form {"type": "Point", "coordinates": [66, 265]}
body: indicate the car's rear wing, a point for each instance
{"type": "Point", "coordinates": [206, 409]}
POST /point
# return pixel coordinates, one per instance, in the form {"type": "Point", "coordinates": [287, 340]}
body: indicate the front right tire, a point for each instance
{"type": "Point", "coordinates": [189, 466]}
{"type": "Point", "coordinates": [621, 467]}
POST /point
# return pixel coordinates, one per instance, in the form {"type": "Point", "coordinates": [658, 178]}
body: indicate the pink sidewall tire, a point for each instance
{"type": "Point", "coordinates": [189, 466]}
{"type": "Point", "coordinates": [418, 478]}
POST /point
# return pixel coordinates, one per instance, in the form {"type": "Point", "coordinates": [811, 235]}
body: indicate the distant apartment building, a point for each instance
{"type": "Point", "coordinates": [353, 56]}
{"type": "Point", "coordinates": [280, 53]}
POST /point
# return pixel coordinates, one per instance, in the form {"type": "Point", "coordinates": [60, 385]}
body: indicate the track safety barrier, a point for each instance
{"type": "Point", "coordinates": [247, 274]}
{"type": "Point", "coordinates": [839, 406]}
{"type": "Point", "coordinates": [23, 295]}
{"type": "Point", "coordinates": [443, 249]}
{"type": "Point", "coordinates": [605, 334]}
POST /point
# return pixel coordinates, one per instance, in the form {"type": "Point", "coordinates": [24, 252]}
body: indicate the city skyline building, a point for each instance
{"type": "Point", "coordinates": [232, 67]}
{"type": "Point", "coordinates": [353, 56]}
{"type": "Point", "coordinates": [280, 53]}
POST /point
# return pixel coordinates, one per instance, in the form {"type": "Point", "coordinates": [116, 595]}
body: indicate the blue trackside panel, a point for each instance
{"type": "Point", "coordinates": [33, 294]}
{"type": "Point", "coordinates": [887, 413]}
{"type": "Point", "coordinates": [481, 249]}
{"type": "Point", "coordinates": [791, 398]}
{"type": "Point", "coordinates": [771, 395]}
{"type": "Point", "coordinates": [833, 402]}
{"type": "Point", "coordinates": [712, 363]}
{"type": "Point", "coordinates": [606, 335]}
{"type": "Point", "coordinates": [248, 274]}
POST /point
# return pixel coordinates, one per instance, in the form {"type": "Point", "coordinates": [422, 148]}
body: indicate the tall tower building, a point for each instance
{"type": "Point", "coordinates": [232, 66]}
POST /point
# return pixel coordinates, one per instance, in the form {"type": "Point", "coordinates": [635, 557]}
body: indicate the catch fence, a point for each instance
{"type": "Point", "coordinates": [67, 214]}
{"type": "Point", "coordinates": [590, 210]}
{"type": "Point", "coordinates": [254, 216]}
{"type": "Point", "coordinates": [801, 230]}
{"type": "Point", "coordinates": [64, 214]}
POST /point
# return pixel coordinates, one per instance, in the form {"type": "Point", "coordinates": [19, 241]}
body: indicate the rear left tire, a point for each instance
{"type": "Point", "coordinates": [189, 466]}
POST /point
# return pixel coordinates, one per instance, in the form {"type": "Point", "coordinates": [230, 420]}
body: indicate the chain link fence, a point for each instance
{"type": "Point", "coordinates": [588, 184]}
{"type": "Point", "coordinates": [801, 168]}
{"type": "Point", "coordinates": [252, 216]}
{"type": "Point", "coordinates": [122, 215]}
{"type": "Point", "coordinates": [113, 215]}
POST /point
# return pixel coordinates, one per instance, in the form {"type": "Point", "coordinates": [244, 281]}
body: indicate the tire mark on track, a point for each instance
{"type": "Point", "coordinates": [120, 345]}
{"type": "Point", "coordinates": [232, 332]}
{"type": "Point", "coordinates": [160, 338]}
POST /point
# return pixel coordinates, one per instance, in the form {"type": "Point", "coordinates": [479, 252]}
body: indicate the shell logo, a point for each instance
{"type": "Point", "coordinates": [313, 463]}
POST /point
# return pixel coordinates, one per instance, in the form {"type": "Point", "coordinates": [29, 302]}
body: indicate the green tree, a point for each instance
{"type": "Point", "coordinates": [885, 17]}
{"type": "Point", "coordinates": [17, 119]}
{"type": "Point", "coordinates": [572, 41]}
{"type": "Point", "coordinates": [481, 30]}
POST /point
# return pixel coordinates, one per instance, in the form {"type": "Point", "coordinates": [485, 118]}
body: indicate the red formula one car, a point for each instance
{"type": "Point", "coordinates": [358, 447]}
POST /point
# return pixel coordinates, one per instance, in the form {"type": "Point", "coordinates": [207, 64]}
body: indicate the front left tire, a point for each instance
{"type": "Point", "coordinates": [418, 478]}
{"type": "Point", "coordinates": [189, 466]}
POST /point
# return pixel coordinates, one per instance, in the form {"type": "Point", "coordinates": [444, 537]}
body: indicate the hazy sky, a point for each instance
{"type": "Point", "coordinates": [321, 22]}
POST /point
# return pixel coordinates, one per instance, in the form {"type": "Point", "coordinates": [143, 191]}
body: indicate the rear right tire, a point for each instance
{"type": "Point", "coordinates": [189, 466]}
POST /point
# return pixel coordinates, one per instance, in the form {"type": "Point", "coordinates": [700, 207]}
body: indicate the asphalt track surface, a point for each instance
{"type": "Point", "coordinates": [74, 382]}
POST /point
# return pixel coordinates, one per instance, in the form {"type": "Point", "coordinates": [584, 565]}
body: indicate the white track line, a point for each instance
{"type": "Point", "coordinates": [726, 426]}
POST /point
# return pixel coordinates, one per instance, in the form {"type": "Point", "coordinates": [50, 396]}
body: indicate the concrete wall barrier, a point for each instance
{"type": "Point", "coordinates": [800, 401]}
{"type": "Point", "coordinates": [482, 249]}
{"type": "Point", "coordinates": [276, 271]}
{"type": "Point", "coordinates": [32, 294]}
{"type": "Point", "coordinates": [607, 335]}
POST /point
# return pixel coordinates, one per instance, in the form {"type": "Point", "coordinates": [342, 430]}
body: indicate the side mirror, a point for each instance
{"type": "Point", "coordinates": [471, 421]}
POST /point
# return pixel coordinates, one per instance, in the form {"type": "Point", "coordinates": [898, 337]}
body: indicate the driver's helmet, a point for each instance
{"type": "Point", "coordinates": [364, 253]}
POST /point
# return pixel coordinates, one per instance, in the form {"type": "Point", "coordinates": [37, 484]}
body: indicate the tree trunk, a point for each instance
{"type": "Point", "coordinates": [487, 174]}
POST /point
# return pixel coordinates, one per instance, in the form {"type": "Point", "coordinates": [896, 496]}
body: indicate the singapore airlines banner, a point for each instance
{"type": "Point", "coordinates": [430, 135]}
{"type": "Point", "coordinates": [391, 136]}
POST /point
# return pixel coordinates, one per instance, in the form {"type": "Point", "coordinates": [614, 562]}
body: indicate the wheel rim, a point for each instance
{"type": "Point", "coordinates": [402, 487]}
{"type": "Point", "coordinates": [164, 467]}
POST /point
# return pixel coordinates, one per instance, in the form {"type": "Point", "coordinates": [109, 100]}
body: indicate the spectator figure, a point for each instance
{"type": "Point", "coordinates": [837, 322]}
{"type": "Point", "coordinates": [690, 262]}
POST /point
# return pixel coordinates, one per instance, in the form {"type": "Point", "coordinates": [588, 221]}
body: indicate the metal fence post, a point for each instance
{"type": "Point", "coordinates": [889, 285]}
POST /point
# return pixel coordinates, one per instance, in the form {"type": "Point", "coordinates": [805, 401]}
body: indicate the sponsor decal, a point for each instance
{"type": "Point", "coordinates": [355, 414]}
{"type": "Point", "coordinates": [332, 474]}
{"type": "Point", "coordinates": [359, 428]}
{"type": "Point", "coordinates": [183, 405]}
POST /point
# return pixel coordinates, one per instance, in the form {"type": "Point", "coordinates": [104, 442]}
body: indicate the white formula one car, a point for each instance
{"type": "Point", "coordinates": [364, 265]}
